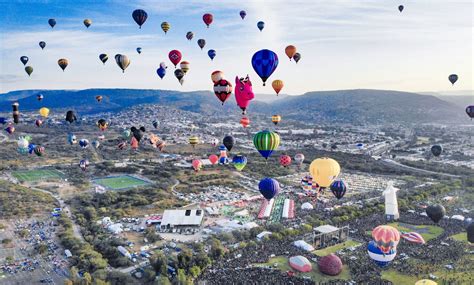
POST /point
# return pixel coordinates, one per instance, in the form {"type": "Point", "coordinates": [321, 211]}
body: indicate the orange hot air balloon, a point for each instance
{"type": "Point", "coordinates": [245, 122]}
{"type": "Point", "coordinates": [213, 159]}
{"type": "Point", "coordinates": [290, 51]}
{"type": "Point", "coordinates": [98, 98]}
{"type": "Point", "coordinates": [386, 237]}
{"type": "Point", "coordinates": [197, 165]}
{"type": "Point", "coordinates": [277, 85]}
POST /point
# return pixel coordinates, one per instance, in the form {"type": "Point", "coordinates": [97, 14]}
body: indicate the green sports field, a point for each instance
{"type": "Point", "coordinates": [37, 175]}
{"type": "Point", "coordinates": [121, 182]}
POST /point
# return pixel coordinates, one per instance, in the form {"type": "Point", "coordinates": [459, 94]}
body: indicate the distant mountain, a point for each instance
{"type": "Point", "coordinates": [350, 106]}
{"type": "Point", "coordinates": [268, 98]}
{"type": "Point", "coordinates": [461, 98]}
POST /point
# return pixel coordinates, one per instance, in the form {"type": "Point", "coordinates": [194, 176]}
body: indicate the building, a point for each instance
{"type": "Point", "coordinates": [67, 253]}
{"type": "Point", "coordinates": [179, 220]}
{"type": "Point", "coordinates": [327, 235]}
{"type": "Point", "coordinates": [124, 252]}
{"type": "Point", "coordinates": [391, 204]}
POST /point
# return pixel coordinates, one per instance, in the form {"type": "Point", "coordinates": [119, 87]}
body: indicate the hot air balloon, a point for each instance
{"type": "Point", "coordinates": [42, 44]}
{"type": "Point", "coordinates": [380, 258]}
{"type": "Point", "coordinates": [425, 282]}
{"type": "Point", "coordinates": [453, 78]}
{"type": "Point", "coordinates": [165, 26]}
{"type": "Point", "coordinates": [193, 140]}
{"type": "Point", "coordinates": [84, 143]}
{"type": "Point", "coordinates": [213, 159]}
{"type": "Point", "coordinates": [243, 92]}
{"type": "Point", "coordinates": [324, 171]}
{"type": "Point", "coordinates": [98, 98]}
{"type": "Point", "coordinates": [470, 111]}
{"type": "Point", "coordinates": [470, 232]}
{"type": "Point", "coordinates": [3, 120]}
{"type": "Point", "coordinates": [299, 158]}
{"type": "Point", "coordinates": [243, 14]}
{"type": "Point", "coordinates": [62, 62]}
{"type": "Point", "coordinates": [52, 22]}
{"type": "Point", "coordinates": [175, 57]}
{"type": "Point", "coordinates": [122, 61]}
{"type": "Point", "coordinates": [71, 139]}
{"type": "Point", "coordinates": [413, 237]}
{"type": "Point", "coordinates": [10, 129]}
{"type": "Point", "coordinates": [102, 124]}
{"type": "Point", "coordinates": [16, 112]}
{"type": "Point", "coordinates": [161, 72]}
{"type": "Point", "coordinates": [277, 85]}
{"type": "Point", "coordinates": [160, 145]}
{"type": "Point", "coordinates": [269, 187]}
{"type": "Point", "coordinates": [44, 112]}
{"type": "Point", "coordinates": [197, 164]}
{"type": "Point", "coordinates": [23, 143]}
{"type": "Point", "coordinates": [214, 142]}
{"type": "Point", "coordinates": [87, 23]}
{"type": "Point", "coordinates": [436, 150]}
{"type": "Point", "coordinates": [435, 212]}
{"type": "Point", "coordinates": [386, 237]}
{"type": "Point", "coordinates": [39, 97]}
{"type": "Point", "coordinates": [207, 19]}
{"type": "Point", "coordinates": [140, 17]}
{"type": "Point", "coordinates": [211, 53]}
{"type": "Point", "coordinates": [297, 57]}
{"type": "Point", "coordinates": [276, 119]}
{"type": "Point", "coordinates": [83, 164]}
{"type": "Point", "coordinates": [153, 139]}
{"type": "Point", "coordinates": [245, 121]}
{"type": "Point", "coordinates": [290, 51]}
{"type": "Point", "coordinates": [222, 90]}
{"type": "Point", "coordinates": [139, 50]}
{"type": "Point", "coordinates": [285, 160]}
{"type": "Point", "coordinates": [39, 150]}
{"type": "Point", "coordinates": [338, 188]}
{"type": "Point", "coordinates": [126, 133]}
{"type": "Point", "coordinates": [201, 43]}
{"type": "Point", "coordinates": [179, 74]}
{"type": "Point", "coordinates": [103, 57]}
{"type": "Point", "coordinates": [29, 70]}
{"type": "Point", "coordinates": [70, 117]}
{"type": "Point", "coordinates": [184, 65]}
{"type": "Point", "coordinates": [239, 162]}
{"type": "Point", "coordinates": [95, 144]}
{"type": "Point", "coordinates": [228, 142]}
{"type": "Point", "coordinates": [138, 133]}
{"type": "Point", "coordinates": [400, 8]}
{"type": "Point", "coordinates": [261, 25]}
{"type": "Point", "coordinates": [266, 142]}
{"type": "Point", "coordinates": [134, 143]}
{"type": "Point", "coordinates": [189, 35]}
{"type": "Point", "coordinates": [38, 123]}
{"type": "Point", "coordinates": [155, 124]}
{"type": "Point", "coordinates": [216, 76]}
{"type": "Point", "coordinates": [24, 59]}
{"type": "Point", "coordinates": [330, 264]}
{"type": "Point", "coordinates": [264, 63]}
{"type": "Point", "coordinates": [122, 145]}
{"type": "Point", "coordinates": [163, 65]}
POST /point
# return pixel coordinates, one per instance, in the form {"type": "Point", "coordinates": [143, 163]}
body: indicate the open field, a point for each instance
{"type": "Point", "coordinates": [120, 182]}
{"type": "Point", "coordinates": [37, 175]}
{"type": "Point", "coordinates": [335, 248]}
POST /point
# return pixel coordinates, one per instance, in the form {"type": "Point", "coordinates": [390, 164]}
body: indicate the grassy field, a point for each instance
{"type": "Point", "coordinates": [335, 248]}
{"type": "Point", "coordinates": [37, 175]}
{"type": "Point", "coordinates": [426, 231]}
{"type": "Point", "coordinates": [282, 264]}
{"type": "Point", "coordinates": [460, 237]}
{"type": "Point", "coordinates": [398, 278]}
{"type": "Point", "coordinates": [120, 182]}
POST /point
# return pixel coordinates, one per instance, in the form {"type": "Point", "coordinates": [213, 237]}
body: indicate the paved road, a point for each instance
{"type": "Point", "coordinates": [397, 164]}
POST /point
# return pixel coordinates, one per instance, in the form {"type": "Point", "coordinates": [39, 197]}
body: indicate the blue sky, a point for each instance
{"type": "Point", "coordinates": [344, 44]}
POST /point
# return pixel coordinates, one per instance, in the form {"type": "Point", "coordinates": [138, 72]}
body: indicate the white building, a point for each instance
{"type": "Point", "coordinates": [175, 219]}
{"type": "Point", "coordinates": [391, 204]}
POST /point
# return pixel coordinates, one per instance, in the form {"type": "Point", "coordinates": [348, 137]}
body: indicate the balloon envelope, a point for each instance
{"type": "Point", "coordinates": [264, 62]}
{"type": "Point", "coordinates": [269, 187]}
{"type": "Point", "coordinates": [324, 171]}
{"type": "Point", "coordinates": [386, 237]}
{"type": "Point", "coordinates": [435, 212]}
{"type": "Point", "coordinates": [266, 142]}
{"type": "Point", "coordinates": [380, 258]}
{"type": "Point", "coordinates": [140, 17]}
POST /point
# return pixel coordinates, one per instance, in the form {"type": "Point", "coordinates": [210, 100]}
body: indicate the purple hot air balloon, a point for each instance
{"type": "Point", "coordinates": [470, 111]}
{"type": "Point", "coordinates": [243, 14]}
{"type": "Point", "coordinates": [269, 187]}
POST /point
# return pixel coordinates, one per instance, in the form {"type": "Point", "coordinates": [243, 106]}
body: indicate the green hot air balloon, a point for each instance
{"type": "Point", "coordinates": [29, 70]}
{"type": "Point", "coordinates": [266, 142]}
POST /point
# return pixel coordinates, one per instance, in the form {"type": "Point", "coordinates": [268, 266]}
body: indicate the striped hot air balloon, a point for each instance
{"type": "Point", "coordinates": [122, 61]}
{"type": "Point", "coordinates": [266, 142]}
{"type": "Point", "coordinates": [380, 258]}
{"type": "Point", "coordinates": [139, 16]}
{"type": "Point", "coordinates": [122, 145]}
{"type": "Point", "coordinates": [165, 26]}
{"type": "Point", "coordinates": [39, 150]}
{"type": "Point", "coordinates": [386, 237]}
{"type": "Point", "coordinates": [276, 119]}
{"type": "Point", "coordinates": [184, 65]}
{"type": "Point", "coordinates": [193, 140]}
{"type": "Point", "coordinates": [223, 90]}
{"type": "Point", "coordinates": [245, 122]}
{"type": "Point", "coordinates": [62, 62]}
{"type": "Point", "coordinates": [413, 237]}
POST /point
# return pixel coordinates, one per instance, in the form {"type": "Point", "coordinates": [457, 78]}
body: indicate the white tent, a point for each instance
{"type": "Point", "coordinates": [391, 204]}
{"type": "Point", "coordinates": [307, 206]}
{"type": "Point", "coordinates": [303, 245]}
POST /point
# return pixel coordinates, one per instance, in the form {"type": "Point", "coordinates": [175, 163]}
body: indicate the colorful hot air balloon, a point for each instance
{"type": "Point", "coordinates": [222, 90]}
{"type": "Point", "coordinates": [42, 44]}
{"type": "Point", "coordinates": [165, 26]}
{"type": "Point", "coordinates": [264, 63]}
{"type": "Point", "coordinates": [38, 123]}
{"type": "Point", "coordinates": [435, 212]}
{"type": "Point", "coordinates": [216, 76]}
{"type": "Point", "coordinates": [134, 143]}
{"type": "Point", "coordinates": [161, 72]}
{"type": "Point", "coordinates": [98, 98]}
{"type": "Point", "coordinates": [139, 50]}
{"type": "Point", "coordinates": [193, 140]}
{"type": "Point", "coordinates": [52, 22]}
{"type": "Point", "coordinates": [122, 145]}
{"type": "Point", "coordinates": [239, 162]}
{"type": "Point", "coordinates": [324, 171]}
{"type": "Point", "coordinates": [70, 117]}
{"type": "Point", "coordinates": [211, 53]}
{"type": "Point", "coordinates": [103, 57]}
{"type": "Point", "coordinates": [290, 51]}
{"type": "Point", "coordinates": [29, 70]}
{"type": "Point", "coordinates": [126, 133]}
{"type": "Point", "coordinates": [213, 159]}
{"type": "Point", "coordinates": [122, 61]}
{"type": "Point", "coordinates": [380, 258]}
{"type": "Point", "coordinates": [261, 25]}
{"type": "Point", "coordinates": [160, 145]}
{"type": "Point", "coordinates": [84, 143]}
{"type": "Point", "coordinates": [95, 144]}
{"type": "Point", "coordinates": [245, 122]}
{"type": "Point", "coordinates": [102, 124]}
{"type": "Point", "coordinates": [87, 23]}
{"type": "Point", "coordinates": [400, 8]}
{"type": "Point", "coordinates": [197, 164]}
{"type": "Point", "coordinates": [83, 164]}
{"type": "Point", "coordinates": [228, 142]}
{"type": "Point", "coordinates": [39, 97]}
{"type": "Point", "coordinates": [338, 188]}
{"type": "Point", "coordinates": [214, 142]}
{"type": "Point", "coordinates": [201, 43]}
{"type": "Point", "coordinates": [138, 133]}
{"type": "Point", "coordinates": [436, 150]}
{"type": "Point", "coordinates": [184, 65]}
{"type": "Point", "coordinates": [269, 187]}
{"type": "Point", "coordinates": [62, 62]}
{"type": "Point", "coordinates": [16, 112]}
{"type": "Point", "coordinates": [140, 17]}
{"type": "Point", "coordinates": [207, 19]}
{"type": "Point", "coordinates": [24, 59]}
{"type": "Point", "coordinates": [44, 112]}
{"type": "Point", "coordinates": [453, 78]}
{"type": "Point", "coordinates": [470, 111]}
{"type": "Point", "coordinates": [22, 143]}
{"type": "Point", "coordinates": [297, 57]}
{"type": "Point", "coordinates": [242, 14]}
{"type": "Point", "coordinates": [39, 150]}
{"type": "Point", "coordinates": [175, 57]}
{"type": "Point", "coordinates": [189, 35]}
{"type": "Point", "coordinates": [285, 160]}
{"type": "Point", "coordinates": [243, 92]}
{"type": "Point", "coordinates": [386, 237]}
{"type": "Point", "coordinates": [71, 139]}
{"type": "Point", "coordinates": [155, 124]}
{"type": "Point", "coordinates": [266, 142]}
{"type": "Point", "coordinates": [413, 237]}
{"type": "Point", "coordinates": [179, 74]}
{"type": "Point", "coordinates": [277, 85]}
{"type": "Point", "coordinates": [10, 129]}
{"type": "Point", "coordinates": [299, 158]}
{"type": "Point", "coordinates": [276, 119]}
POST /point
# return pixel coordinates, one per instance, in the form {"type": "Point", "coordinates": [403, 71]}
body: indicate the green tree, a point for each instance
{"type": "Point", "coordinates": [195, 271]}
{"type": "Point", "coordinates": [217, 250]}
{"type": "Point", "coordinates": [87, 279]}
{"type": "Point", "coordinates": [181, 277]}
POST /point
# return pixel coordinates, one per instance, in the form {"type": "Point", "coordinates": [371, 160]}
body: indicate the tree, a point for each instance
{"type": "Point", "coordinates": [159, 262]}
{"type": "Point", "coordinates": [6, 241]}
{"type": "Point", "coordinates": [181, 277]}
{"type": "Point", "coordinates": [217, 250]}
{"type": "Point", "coordinates": [74, 272]}
{"type": "Point", "coordinates": [9, 259]}
{"type": "Point", "coordinates": [185, 258]}
{"type": "Point", "coordinates": [87, 280]}
{"type": "Point", "coordinates": [68, 282]}
{"type": "Point", "coordinates": [149, 274]}
{"type": "Point", "coordinates": [151, 235]}
{"type": "Point", "coordinates": [195, 271]}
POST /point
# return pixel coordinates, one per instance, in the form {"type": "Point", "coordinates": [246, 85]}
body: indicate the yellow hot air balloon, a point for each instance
{"type": "Point", "coordinates": [425, 282]}
{"type": "Point", "coordinates": [184, 66]}
{"type": "Point", "coordinates": [324, 171]}
{"type": "Point", "coordinates": [290, 51]}
{"type": "Point", "coordinates": [165, 26]}
{"type": "Point", "coordinates": [193, 140]}
{"type": "Point", "coordinates": [87, 23]}
{"type": "Point", "coordinates": [44, 112]}
{"type": "Point", "coordinates": [277, 85]}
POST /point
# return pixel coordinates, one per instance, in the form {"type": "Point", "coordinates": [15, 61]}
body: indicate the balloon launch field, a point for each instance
{"type": "Point", "coordinates": [37, 174]}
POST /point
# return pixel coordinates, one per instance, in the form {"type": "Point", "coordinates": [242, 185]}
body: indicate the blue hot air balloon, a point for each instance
{"type": "Point", "coordinates": [211, 53]}
{"type": "Point", "coordinates": [52, 22]}
{"type": "Point", "coordinates": [261, 25]}
{"type": "Point", "coordinates": [338, 188]}
{"type": "Point", "coordinates": [31, 148]}
{"type": "Point", "coordinates": [264, 63]}
{"type": "Point", "coordinates": [139, 50]}
{"type": "Point", "coordinates": [161, 72]}
{"type": "Point", "coordinates": [380, 258]}
{"type": "Point", "coordinates": [243, 14]}
{"type": "Point", "coordinates": [140, 17]}
{"type": "Point", "coordinates": [269, 188]}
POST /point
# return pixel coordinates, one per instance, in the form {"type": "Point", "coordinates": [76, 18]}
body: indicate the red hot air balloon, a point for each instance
{"type": "Point", "coordinates": [285, 160]}
{"type": "Point", "coordinates": [245, 122]}
{"type": "Point", "coordinates": [175, 57]}
{"type": "Point", "coordinates": [207, 18]}
{"type": "Point", "coordinates": [213, 159]}
{"type": "Point", "coordinates": [223, 90]}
